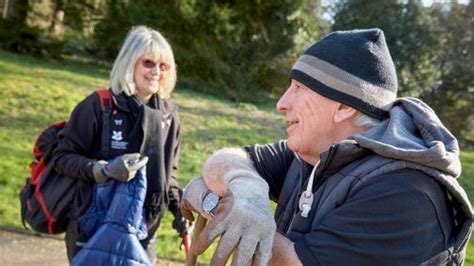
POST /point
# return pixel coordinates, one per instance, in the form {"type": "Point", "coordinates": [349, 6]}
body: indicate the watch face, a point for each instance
{"type": "Point", "coordinates": [210, 202]}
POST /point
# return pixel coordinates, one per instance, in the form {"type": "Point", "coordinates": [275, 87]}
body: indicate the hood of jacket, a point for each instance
{"type": "Point", "coordinates": [414, 133]}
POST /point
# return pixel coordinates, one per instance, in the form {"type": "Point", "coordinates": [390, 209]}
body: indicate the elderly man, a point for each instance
{"type": "Point", "coordinates": [363, 178]}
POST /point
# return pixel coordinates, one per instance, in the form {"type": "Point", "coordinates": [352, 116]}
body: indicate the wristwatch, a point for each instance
{"type": "Point", "coordinates": [209, 204]}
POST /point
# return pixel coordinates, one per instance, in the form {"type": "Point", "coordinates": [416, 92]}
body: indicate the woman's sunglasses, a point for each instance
{"type": "Point", "coordinates": [148, 63]}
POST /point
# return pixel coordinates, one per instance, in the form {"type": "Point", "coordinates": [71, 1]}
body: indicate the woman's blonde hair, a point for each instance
{"type": "Point", "coordinates": [142, 40]}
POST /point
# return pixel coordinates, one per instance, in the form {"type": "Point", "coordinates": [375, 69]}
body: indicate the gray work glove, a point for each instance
{"type": "Point", "coordinates": [193, 195]}
{"type": "Point", "coordinates": [122, 168]}
{"type": "Point", "coordinates": [243, 220]}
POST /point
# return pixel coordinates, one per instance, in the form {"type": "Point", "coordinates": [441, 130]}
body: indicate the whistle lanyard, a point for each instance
{"type": "Point", "coordinates": [306, 198]}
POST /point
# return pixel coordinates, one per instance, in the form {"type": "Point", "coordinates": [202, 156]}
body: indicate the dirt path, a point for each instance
{"type": "Point", "coordinates": [21, 249]}
{"type": "Point", "coordinates": [18, 248]}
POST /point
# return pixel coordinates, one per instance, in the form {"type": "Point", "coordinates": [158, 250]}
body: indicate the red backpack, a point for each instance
{"type": "Point", "coordinates": [47, 197]}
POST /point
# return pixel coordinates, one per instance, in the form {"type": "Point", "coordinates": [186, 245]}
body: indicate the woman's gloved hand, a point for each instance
{"type": "Point", "coordinates": [180, 225]}
{"type": "Point", "coordinates": [122, 168]}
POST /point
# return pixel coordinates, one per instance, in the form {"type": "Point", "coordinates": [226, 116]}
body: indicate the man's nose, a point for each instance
{"type": "Point", "coordinates": [283, 103]}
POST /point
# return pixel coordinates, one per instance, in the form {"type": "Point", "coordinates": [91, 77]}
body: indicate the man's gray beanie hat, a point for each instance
{"type": "Point", "coordinates": [351, 67]}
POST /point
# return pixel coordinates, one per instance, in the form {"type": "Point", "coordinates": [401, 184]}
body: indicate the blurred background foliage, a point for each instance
{"type": "Point", "coordinates": [243, 50]}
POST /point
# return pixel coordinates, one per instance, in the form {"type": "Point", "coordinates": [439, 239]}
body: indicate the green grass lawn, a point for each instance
{"type": "Point", "coordinates": [467, 181]}
{"type": "Point", "coordinates": [35, 93]}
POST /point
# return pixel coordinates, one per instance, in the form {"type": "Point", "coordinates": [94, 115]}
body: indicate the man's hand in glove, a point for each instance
{"type": "Point", "coordinates": [193, 195]}
{"type": "Point", "coordinates": [122, 168]}
{"type": "Point", "coordinates": [244, 219]}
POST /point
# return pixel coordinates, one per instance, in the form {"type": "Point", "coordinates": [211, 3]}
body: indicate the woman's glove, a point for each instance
{"type": "Point", "coordinates": [122, 168]}
{"type": "Point", "coordinates": [180, 225]}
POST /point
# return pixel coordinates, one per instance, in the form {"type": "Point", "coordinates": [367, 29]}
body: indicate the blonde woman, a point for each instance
{"type": "Point", "coordinates": [144, 129]}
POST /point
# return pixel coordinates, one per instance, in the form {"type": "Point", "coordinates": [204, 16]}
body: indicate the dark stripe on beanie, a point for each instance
{"type": "Point", "coordinates": [336, 95]}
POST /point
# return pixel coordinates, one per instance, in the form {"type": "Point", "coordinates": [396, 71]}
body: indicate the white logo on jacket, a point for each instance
{"type": "Point", "coordinates": [117, 135]}
{"type": "Point", "coordinates": [118, 122]}
{"type": "Point", "coordinates": [117, 142]}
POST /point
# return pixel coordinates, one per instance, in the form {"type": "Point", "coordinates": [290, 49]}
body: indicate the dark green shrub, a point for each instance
{"type": "Point", "coordinates": [28, 40]}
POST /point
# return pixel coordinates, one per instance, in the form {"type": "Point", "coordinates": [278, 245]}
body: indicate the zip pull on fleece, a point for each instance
{"type": "Point", "coordinates": [306, 198]}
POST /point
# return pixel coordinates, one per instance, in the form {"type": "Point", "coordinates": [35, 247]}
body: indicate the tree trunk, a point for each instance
{"type": "Point", "coordinates": [16, 10]}
{"type": "Point", "coordinates": [57, 22]}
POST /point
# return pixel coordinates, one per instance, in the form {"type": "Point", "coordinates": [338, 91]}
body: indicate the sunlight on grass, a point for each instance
{"type": "Point", "coordinates": [467, 182]}
{"type": "Point", "coordinates": [467, 175]}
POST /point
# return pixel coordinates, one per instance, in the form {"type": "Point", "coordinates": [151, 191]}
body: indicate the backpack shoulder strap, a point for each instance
{"type": "Point", "coordinates": [106, 102]}
{"type": "Point", "coordinates": [106, 106]}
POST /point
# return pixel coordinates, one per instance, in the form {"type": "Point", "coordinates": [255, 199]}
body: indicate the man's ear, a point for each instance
{"type": "Point", "coordinates": [343, 112]}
